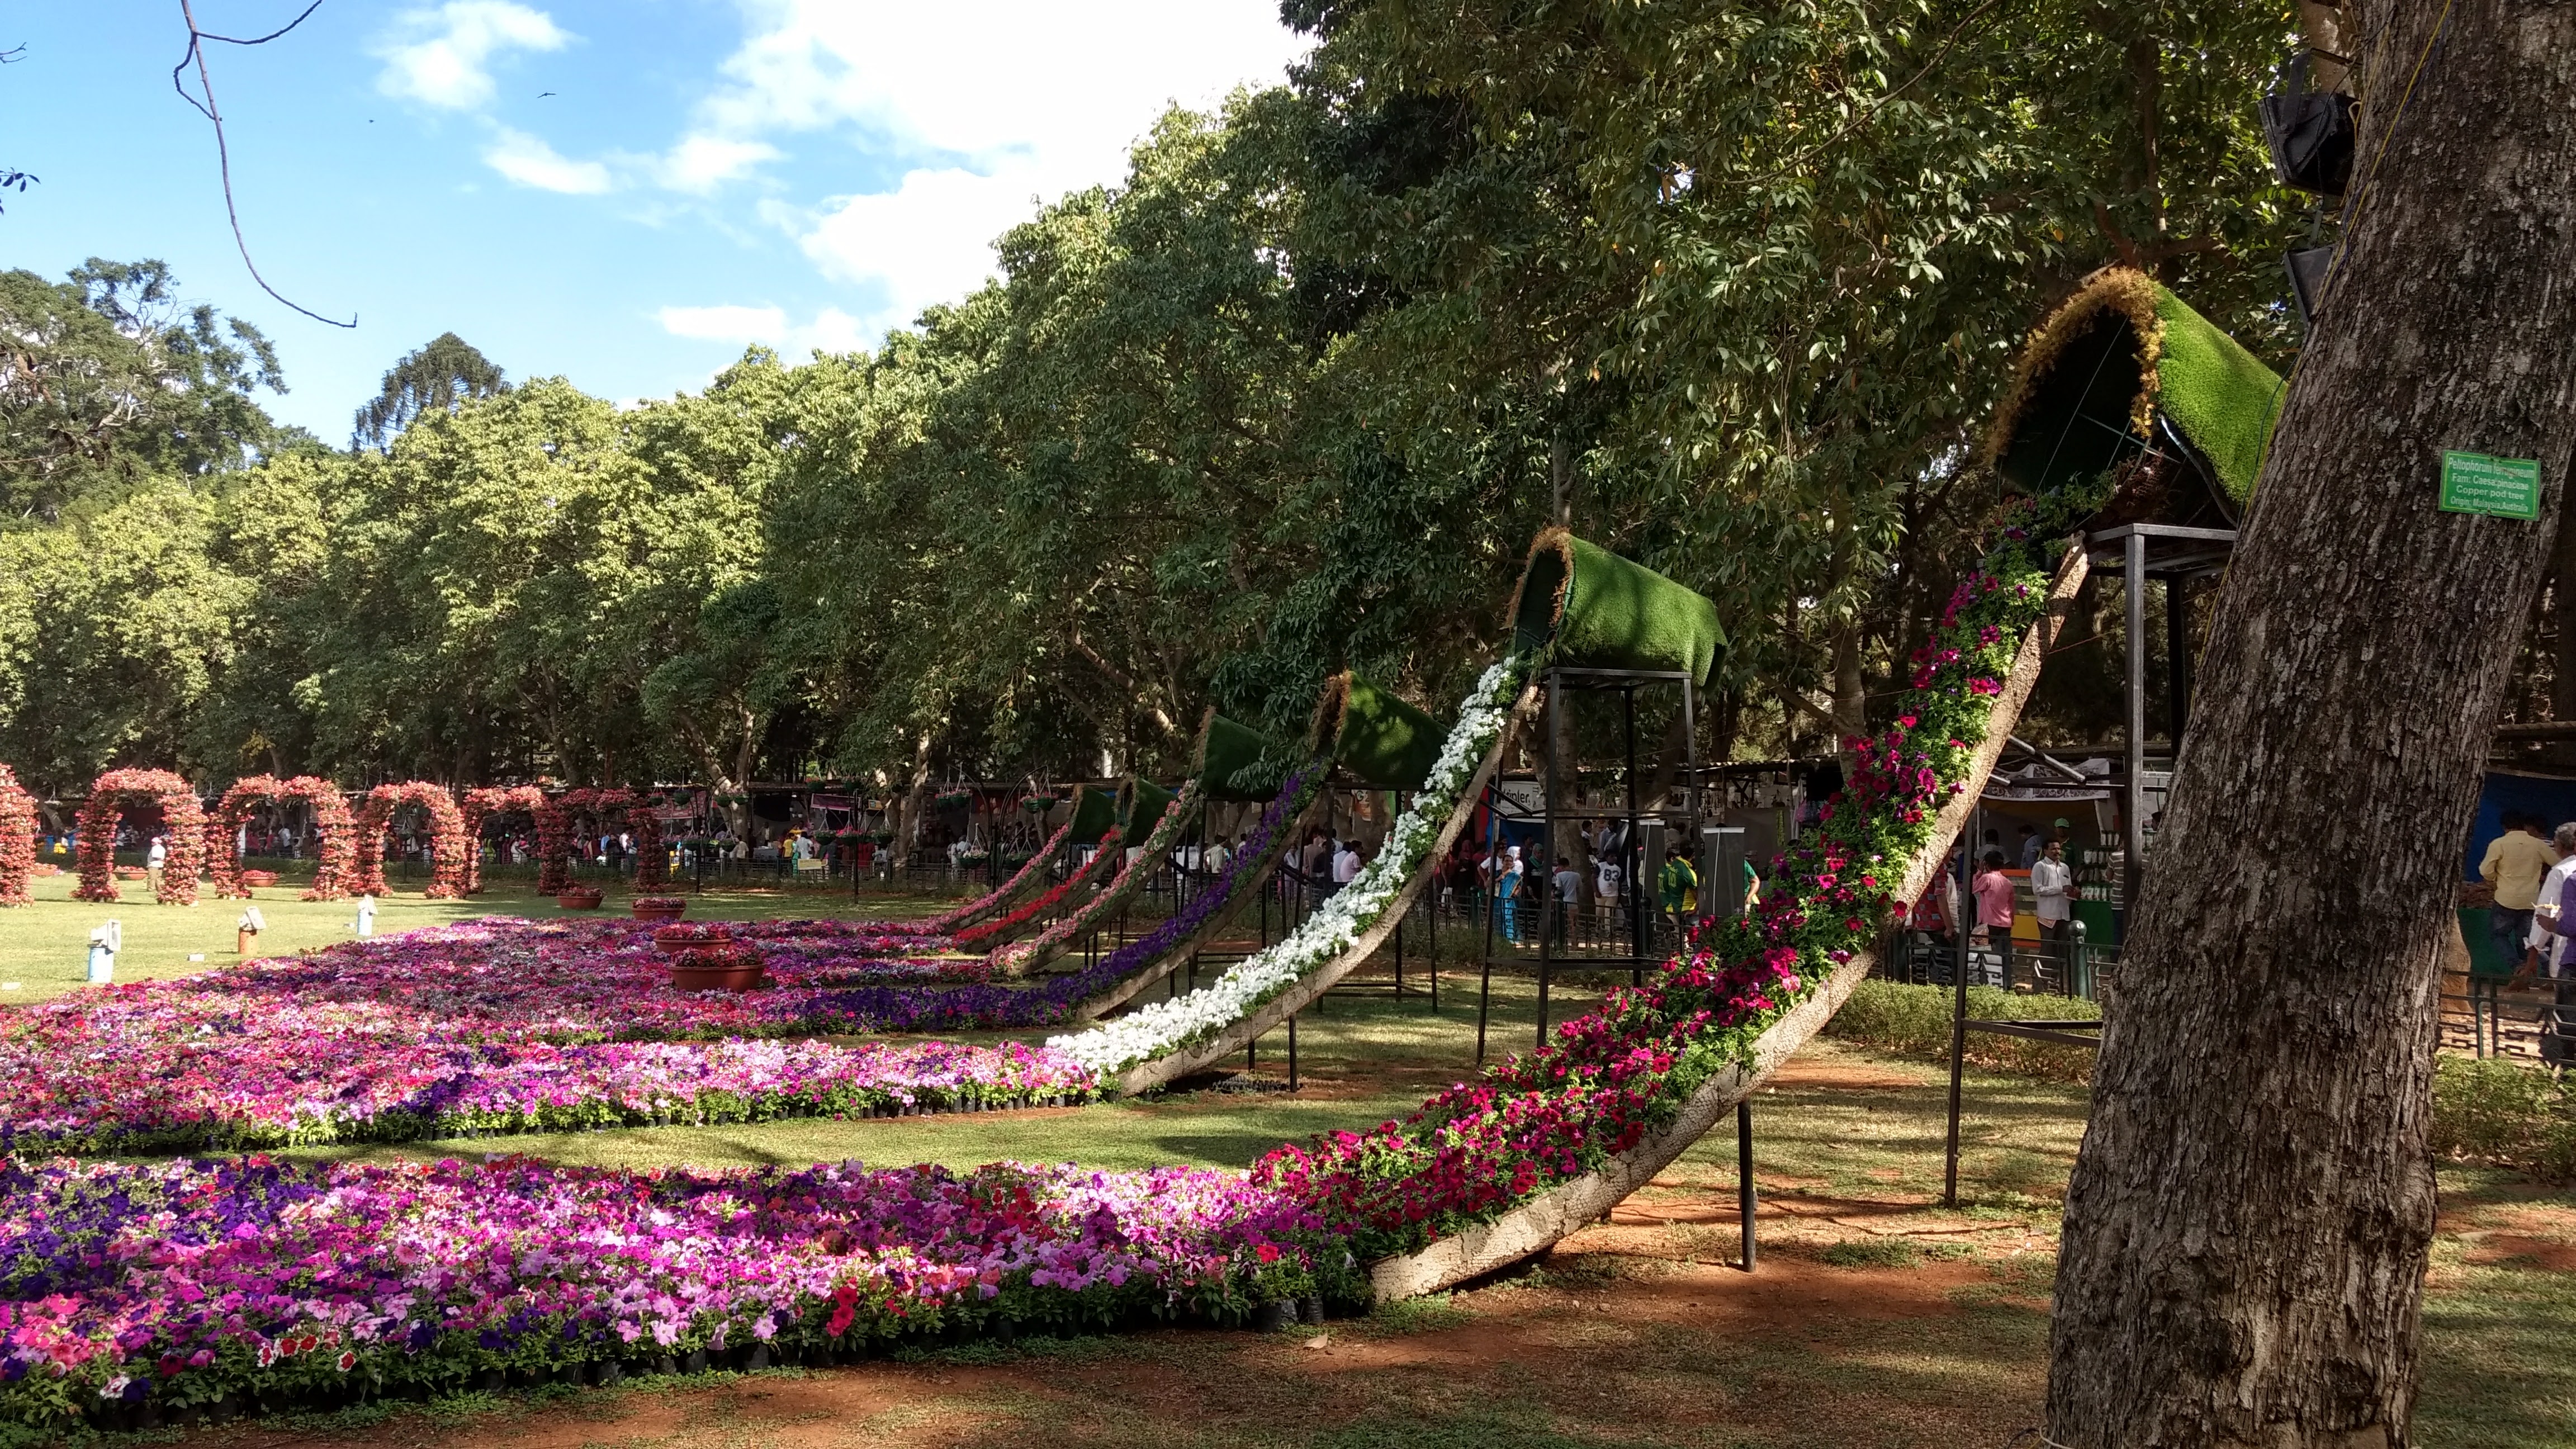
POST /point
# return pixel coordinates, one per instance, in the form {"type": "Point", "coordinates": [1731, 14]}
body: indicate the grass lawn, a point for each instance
{"type": "Point", "coordinates": [44, 947]}
{"type": "Point", "coordinates": [1877, 1318]}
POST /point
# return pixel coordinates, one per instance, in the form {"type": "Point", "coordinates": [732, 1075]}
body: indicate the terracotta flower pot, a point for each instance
{"type": "Point", "coordinates": [657, 911]}
{"type": "Point", "coordinates": [579, 900]}
{"type": "Point", "coordinates": [261, 879]}
{"type": "Point", "coordinates": [737, 977]}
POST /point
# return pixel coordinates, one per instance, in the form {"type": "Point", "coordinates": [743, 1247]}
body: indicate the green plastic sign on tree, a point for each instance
{"type": "Point", "coordinates": [2499, 487]}
{"type": "Point", "coordinates": [1374, 737]}
{"type": "Point", "coordinates": [1581, 606]}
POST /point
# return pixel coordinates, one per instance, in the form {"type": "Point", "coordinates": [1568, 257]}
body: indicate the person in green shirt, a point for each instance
{"type": "Point", "coordinates": [1676, 888]}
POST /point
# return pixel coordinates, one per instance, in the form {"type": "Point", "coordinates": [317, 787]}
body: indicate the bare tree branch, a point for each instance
{"type": "Point", "coordinates": [223, 154]}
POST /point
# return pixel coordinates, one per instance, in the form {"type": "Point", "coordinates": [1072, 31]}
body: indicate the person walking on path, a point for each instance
{"type": "Point", "coordinates": [1569, 892]}
{"type": "Point", "coordinates": [154, 861]}
{"type": "Point", "coordinates": [1507, 894]}
{"type": "Point", "coordinates": [1994, 894]}
{"type": "Point", "coordinates": [1676, 888]}
{"type": "Point", "coordinates": [2052, 887]}
{"type": "Point", "coordinates": [2554, 920]}
{"type": "Point", "coordinates": [2515, 861]}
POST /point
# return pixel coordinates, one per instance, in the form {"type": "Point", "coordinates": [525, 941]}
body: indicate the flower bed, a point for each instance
{"type": "Point", "coordinates": [275, 1074]}
{"type": "Point", "coordinates": [416, 1034]}
{"type": "Point", "coordinates": [311, 1283]}
{"type": "Point", "coordinates": [1607, 1078]}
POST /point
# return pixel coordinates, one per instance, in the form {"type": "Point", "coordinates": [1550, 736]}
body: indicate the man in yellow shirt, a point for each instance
{"type": "Point", "coordinates": [2515, 861]}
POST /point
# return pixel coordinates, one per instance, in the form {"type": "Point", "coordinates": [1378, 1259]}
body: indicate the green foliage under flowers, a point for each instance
{"type": "Point", "coordinates": [2500, 1112]}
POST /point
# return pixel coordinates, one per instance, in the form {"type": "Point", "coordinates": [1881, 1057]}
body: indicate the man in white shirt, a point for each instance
{"type": "Point", "coordinates": [2052, 887]}
{"type": "Point", "coordinates": [1346, 865]}
{"type": "Point", "coordinates": [2558, 1021]}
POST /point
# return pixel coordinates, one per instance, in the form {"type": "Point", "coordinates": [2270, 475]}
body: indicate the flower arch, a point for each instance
{"type": "Point", "coordinates": [447, 838]}
{"type": "Point", "coordinates": [183, 819]}
{"type": "Point", "coordinates": [554, 833]}
{"type": "Point", "coordinates": [651, 861]}
{"type": "Point", "coordinates": [17, 839]}
{"type": "Point", "coordinates": [334, 845]}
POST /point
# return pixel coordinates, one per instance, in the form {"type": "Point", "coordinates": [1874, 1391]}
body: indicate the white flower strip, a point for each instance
{"type": "Point", "coordinates": [1337, 925]}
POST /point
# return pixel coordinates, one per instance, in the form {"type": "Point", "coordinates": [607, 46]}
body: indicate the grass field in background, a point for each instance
{"type": "Point", "coordinates": [44, 947]}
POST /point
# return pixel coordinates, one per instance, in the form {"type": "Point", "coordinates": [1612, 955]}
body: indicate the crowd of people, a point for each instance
{"type": "Point", "coordinates": [1937, 916]}
{"type": "Point", "coordinates": [2531, 928]}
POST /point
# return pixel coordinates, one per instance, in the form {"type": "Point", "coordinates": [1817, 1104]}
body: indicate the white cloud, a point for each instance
{"type": "Point", "coordinates": [832, 329]}
{"type": "Point", "coordinates": [529, 161]}
{"type": "Point", "coordinates": [444, 56]}
{"type": "Point", "coordinates": [700, 163]}
{"type": "Point", "coordinates": [1055, 97]}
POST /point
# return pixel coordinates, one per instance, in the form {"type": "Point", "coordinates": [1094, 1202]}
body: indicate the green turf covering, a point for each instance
{"type": "Point", "coordinates": [1141, 804]}
{"type": "Point", "coordinates": [2097, 373]}
{"type": "Point", "coordinates": [1582, 606]}
{"type": "Point", "coordinates": [1095, 810]}
{"type": "Point", "coordinates": [1238, 762]}
{"type": "Point", "coordinates": [1376, 738]}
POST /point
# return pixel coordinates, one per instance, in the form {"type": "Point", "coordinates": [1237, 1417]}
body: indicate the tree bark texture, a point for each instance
{"type": "Point", "coordinates": [2251, 1211]}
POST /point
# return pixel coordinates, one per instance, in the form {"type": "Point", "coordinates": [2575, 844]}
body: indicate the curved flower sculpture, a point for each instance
{"type": "Point", "coordinates": [183, 819]}
{"type": "Point", "coordinates": [447, 838]}
{"type": "Point", "coordinates": [17, 839]}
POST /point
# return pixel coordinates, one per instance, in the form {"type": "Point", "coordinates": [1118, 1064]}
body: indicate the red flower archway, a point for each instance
{"type": "Point", "coordinates": [17, 839]}
{"type": "Point", "coordinates": [447, 838]}
{"type": "Point", "coordinates": [554, 833]}
{"type": "Point", "coordinates": [334, 843]}
{"type": "Point", "coordinates": [652, 862]}
{"type": "Point", "coordinates": [183, 819]}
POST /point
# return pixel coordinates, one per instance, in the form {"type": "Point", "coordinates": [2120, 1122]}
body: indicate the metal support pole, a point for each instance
{"type": "Point", "coordinates": [1628, 846]}
{"type": "Point", "coordinates": [2177, 659]}
{"type": "Point", "coordinates": [1292, 1053]}
{"type": "Point", "coordinates": [1691, 812]}
{"type": "Point", "coordinates": [1546, 862]}
{"type": "Point", "coordinates": [1485, 898]}
{"type": "Point", "coordinates": [2134, 831]}
{"type": "Point", "coordinates": [1959, 1006]}
{"type": "Point", "coordinates": [1744, 1174]}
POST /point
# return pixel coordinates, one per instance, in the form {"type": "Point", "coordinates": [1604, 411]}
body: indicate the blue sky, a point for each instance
{"type": "Point", "coordinates": [708, 173]}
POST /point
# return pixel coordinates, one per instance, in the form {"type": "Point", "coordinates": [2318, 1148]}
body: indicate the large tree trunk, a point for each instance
{"type": "Point", "coordinates": [2248, 1225]}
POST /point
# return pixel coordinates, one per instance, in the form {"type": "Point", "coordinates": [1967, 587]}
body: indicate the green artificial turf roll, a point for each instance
{"type": "Point", "coordinates": [1238, 762]}
{"type": "Point", "coordinates": [1141, 804]}
{"type": "Point", "coordinates": [1095, 810]}
{"type": "Point", "coordinates": [1377, 738]}
{"type": "Point", "coordinates": [2094, 377]}
{"type": "Point", "coordinates": [1582, 606]}
{"type": "Point", "coordinates": [2223, 399]}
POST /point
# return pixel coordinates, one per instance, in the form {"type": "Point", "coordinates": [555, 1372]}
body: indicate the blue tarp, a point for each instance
{"type": "Point", "coordinates": [2552, 799]}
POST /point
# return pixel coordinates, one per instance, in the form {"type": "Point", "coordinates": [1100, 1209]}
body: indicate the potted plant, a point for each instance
{"type": "Point", "coordinates": [259, 879]}
{"type": "Point", "coordinates": [725, 966]}
{"type": "Point", "coordinates": [660, 908]}
{"type": "Point", "coordinates": [681, 938]}
{"type": "Point", "coordinates": [579, 898]}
